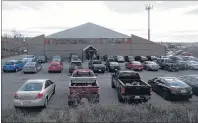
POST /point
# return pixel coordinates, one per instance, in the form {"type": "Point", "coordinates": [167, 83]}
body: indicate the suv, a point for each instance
{"type": "Point", "coordinates": [165, 62]}
{"type": "Point", "coordinates": [75, 64]}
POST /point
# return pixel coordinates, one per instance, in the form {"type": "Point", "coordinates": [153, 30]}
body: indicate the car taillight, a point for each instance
{"type": "Point", "coordinates": [98, 90]}
{"type": "Point", "coordinates": [15, 96]}
{"type": "Point", "coordinates": [123, 90]}
{"type": "Point", "coordinates": [39, 96]}
{"type": "Point", "coordinates": [150, 91]}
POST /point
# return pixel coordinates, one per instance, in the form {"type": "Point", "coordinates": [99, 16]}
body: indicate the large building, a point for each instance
{"type": "Point", "coordinates": [90, 37]}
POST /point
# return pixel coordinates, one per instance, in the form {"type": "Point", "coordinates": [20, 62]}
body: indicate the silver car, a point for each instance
{"type": "Point", "coordinates": [150, 65]}
{"type": "Point", "coordinates": [193, 65]}
{"type": "Point", "coordinates": [34, 92]}
{"type": "Point", "coordinates": [32, 67]}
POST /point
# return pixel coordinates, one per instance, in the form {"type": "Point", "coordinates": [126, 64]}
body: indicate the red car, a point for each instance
{"type": "Point", "coordinates": [134, 65]}
{"type": "Point", "coordinates": [55, 67]}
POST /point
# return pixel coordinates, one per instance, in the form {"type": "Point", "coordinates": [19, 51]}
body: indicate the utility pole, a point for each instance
{"type": "Point", "coordinates": [148, 8]}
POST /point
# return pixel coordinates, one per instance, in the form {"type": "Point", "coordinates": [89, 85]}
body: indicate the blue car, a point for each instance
{"type": "Point", "coordinates": [13, 65]}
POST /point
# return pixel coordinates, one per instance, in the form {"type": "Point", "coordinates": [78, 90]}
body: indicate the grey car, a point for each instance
{"type": "Point", "coordinates": [32, 67]}
{"type": "Point", "coordinates": [34, 92]}
{"type": "Point", "coordinates": [193, 65]}
{"type": "Point", "coordinates": [25, 60]}
{"type": "Point", "coordinates": [150, 65]}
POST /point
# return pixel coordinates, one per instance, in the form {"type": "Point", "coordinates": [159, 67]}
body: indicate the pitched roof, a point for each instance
{"type": "Point", "coordinates": [88, 30]}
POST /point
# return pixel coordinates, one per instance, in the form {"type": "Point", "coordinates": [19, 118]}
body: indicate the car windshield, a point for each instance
{"type": "Point", "coordinates": [97, 62]}
{"type": "Point", "coordinates": [9, 63]}
{"type": "Point", "coordinates": [169, 61]}
{"type": "Point", "coordinates": [176, 82]}
{"type": "Point", "coordinates": [136, 63]}
{"type": "Point", "coordinates": [76, 64]}
{"type": "Point", "coordinates": [83, 74]}
{"type": "Point", "coordinates": [74, 56]}
{"type": "Point", "coordinates": [30, 63]}
{"type": "Point", "coordinates": [32, 87]}
{"type": "Point", "coordinates": [56, 59]}
{"type": "Point", "coordinates": [111, 60]}
{"type": "Point", "coordinates": [29, 56]}
{"type": "Point", "coordinates": [27, 59]}
{"type": "Point", "coordinates": [54, 64]}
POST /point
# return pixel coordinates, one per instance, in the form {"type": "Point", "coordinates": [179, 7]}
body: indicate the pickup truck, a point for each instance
{"type": "Point", "coordinates": [83, 84]}
{"type": "Point", "coordinates": [129, 86]}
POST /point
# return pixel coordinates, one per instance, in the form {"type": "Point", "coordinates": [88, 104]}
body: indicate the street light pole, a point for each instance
{"type": "Point", "coordinates": [148, 8]}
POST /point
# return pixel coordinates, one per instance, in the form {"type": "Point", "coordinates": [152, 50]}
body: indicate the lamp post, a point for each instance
{"type": "Point", "coordinates": [148, 8]}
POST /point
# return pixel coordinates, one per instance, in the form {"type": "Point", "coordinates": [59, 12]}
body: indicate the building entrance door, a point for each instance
{"type": "Point", "coordinates": [90, 52]}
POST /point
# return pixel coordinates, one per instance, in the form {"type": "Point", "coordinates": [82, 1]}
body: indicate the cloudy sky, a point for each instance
{"type": "Point", "coordinates": [170, 20]}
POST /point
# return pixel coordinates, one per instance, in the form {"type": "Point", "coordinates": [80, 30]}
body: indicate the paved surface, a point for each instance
{"type": "Point", "coordinates": [11, 82]}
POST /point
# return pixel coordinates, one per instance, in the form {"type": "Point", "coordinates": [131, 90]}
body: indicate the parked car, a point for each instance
{"type": "Point", "coordinates": [13, 65]}
{"type": "Point", "coordinates": [141, 58]}
{"type": "Point", "coordinates": [57, 58]}
{"type": "Point", "coordinates": [119, 59]}
{"type": "Point", "coordinates": [164, 62]}
{"type": "Point", "coordinates": [32, 67]}
{"type": "Point", "coordinates": [25, 60]}
{"type": "Point", "coordinates": [55, 67]}
{"type": "Point", "coordinates": [188, 58]}
{"type": "Point", "coordinates": [129, 58]}
{"type": "Point", "coordinates": [83, 84]}
{"type": "Point", "coordinates": [97, 66]}
{"type": "Point", "coordinates": [150, 65]}
{"type": "Point", "coordinates": [129, 86]}
{"type": "Point", "coordinates": [75, 64]}
{"type": "Point", "coordinates": [182, 65]}
{"type": "Point", "coordinates": [31, 56]}
{"type": "Point", "coordinates": [134, 65]}
{"type": "Point", "coordinates": [192, 81]}
{"type": "Point", "coordinates": [112, 66]}
{"type": "Point", "coordinates": [171, 88]}
{"type": "Point", "coordinates": [192, 65]}
{"type": "Point", "coordinates": [73, 56]}
{"type": "Point", "coordinates": [151, 58]}
{"type": "Point", "coordinates": [34, 92]}
{"type": "Point", "coordinates": [42, 59]}
{"type": "Point", "coordinates": [105, 57]}
{"type": "Point", "coordinates": [176, 58]}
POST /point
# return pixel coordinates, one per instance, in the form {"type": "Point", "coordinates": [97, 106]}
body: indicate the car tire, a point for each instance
{"type": "Point", "coordinates": [165, 95]}
{"type": "Point", "coordinates": [16, 70]}
{"type": "Point", "coordinates": [4, 71]}
{"type": "Point", "coordinates": [70, 103]}
{"type": "Point", "coordinates": [112, 85]}
{"type": "Point", "coordinates": [16, 107]}
{"type": "Point", "coordinates": [45, 103]}
{"type": "Point", "coordinates": [54, 91]}
{"type": "Point", "coordinates": [120, 99]}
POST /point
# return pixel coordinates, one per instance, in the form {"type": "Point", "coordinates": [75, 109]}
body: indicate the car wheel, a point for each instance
{"type": "Point", "coordinates": [16, 69]}
{"type": "Point", "coordinates": [70, 103]}
{"type": "Point", "coordinates": [16, 107]}
{"type": "Point", "coordinates": [165, 95]}
{"type": "Point", "coordinates": [45, 103]}
{"type": "Point", "coordinates": [54, 91]}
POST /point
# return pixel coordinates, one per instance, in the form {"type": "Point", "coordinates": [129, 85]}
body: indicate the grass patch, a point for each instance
{"type": "Point", "coordinates": [107, 113]}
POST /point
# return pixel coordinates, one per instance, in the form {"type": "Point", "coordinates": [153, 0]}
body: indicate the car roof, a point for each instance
{"type": "Point", "coordinates": [76, 60]}
{"type": "Point", "coordinates": [127, 71]}
{"type": "Point", "coordinates": [83, 70]}
{"type": "Point", "coordinates": [36, 80]}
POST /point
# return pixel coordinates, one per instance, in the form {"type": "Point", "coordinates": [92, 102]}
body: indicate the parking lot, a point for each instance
{"type": "Point", "coordinates": [11, 82]}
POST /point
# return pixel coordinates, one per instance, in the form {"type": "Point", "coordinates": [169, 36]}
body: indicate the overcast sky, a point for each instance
{"type": "Point", "coordinates": [170, 20]}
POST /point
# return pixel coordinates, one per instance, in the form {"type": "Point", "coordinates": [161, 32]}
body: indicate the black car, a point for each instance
{"type": "Point", "coordinates": [97, 66]}
{"type": "Point", "coordinates": [192, 81]}
{"type": "Point", "coordinates": [151, 58]}
{"type": "Point", "coordinates": [112, 66]}
{"type": "Point", "coordinates": [171, 88]}
{"type": "Point", "coordinates": [129, 58]}
{"type": "Point", "coordinates": [42, 59]}
{"type": "Point", "coordinates": [119, 58]}
{"type": "Point", "coordinates": [141, 58]}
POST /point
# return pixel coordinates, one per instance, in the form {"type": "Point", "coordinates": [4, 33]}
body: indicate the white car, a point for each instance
{"type": "Point", "coordinates": [193, 65]}
{"type": "Point", "coordinates": [34, 92]}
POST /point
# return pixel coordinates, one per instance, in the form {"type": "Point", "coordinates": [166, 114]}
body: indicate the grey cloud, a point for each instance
{"type": "Point", "coordinates": [139, 6]}
{"type": "Point", "coordinates": [194, 11]}
{"type": "Point", "coordinates": [10, 5]}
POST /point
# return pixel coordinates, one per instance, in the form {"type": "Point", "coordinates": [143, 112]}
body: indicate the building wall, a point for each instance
{"type": "Point", "coordinates": [36, 46]}
{"type": "Point", "coordinates": [139, 46]}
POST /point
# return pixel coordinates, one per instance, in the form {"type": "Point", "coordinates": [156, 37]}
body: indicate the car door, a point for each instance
{"type": "Point", "coordinates": [51, 87]}
{"type": "Point", "coordinates": [153, 83]}
{"type": "Point", "coordinates": [47, 88]}
{"type": "Point", "coordinates": [161, 86]}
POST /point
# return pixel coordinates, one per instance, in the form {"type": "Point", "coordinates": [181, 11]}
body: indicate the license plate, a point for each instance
{"type": "Point", "coordinates": [25, 102]}
{"type": "Point", "coordinates": [137, 97]}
